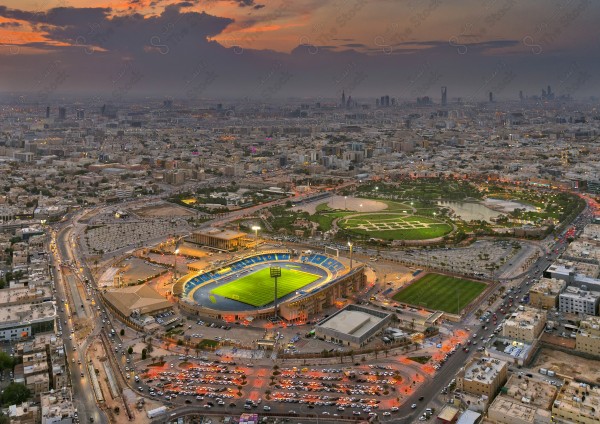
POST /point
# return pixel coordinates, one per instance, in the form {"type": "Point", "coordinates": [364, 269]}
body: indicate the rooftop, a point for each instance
{"type": "Point", "coordinates": [142, 298]}
{"type": "Point", "coordinates": [527, 318]}
{"type": "Point", "coordinates": [484, 370]}
{"type": "Point", "coordinates": [581, 294]}
{"type": "Point", "coordinates": [579, 399]}
{"type": "Point", "coordinates": [548, 286]}
{"type": "Point", "coordinates": [514, 409]}
{"type": "Point", "coordinates": [24, 294]}
{"type": "Point", "coordinates": [530, 391]}
{"type": "Point", "coordinates": [354, 320]}
{"type": "Point", "coordinates": [25, 313]}
{"type": "Point", "coordinates": [221, 234]}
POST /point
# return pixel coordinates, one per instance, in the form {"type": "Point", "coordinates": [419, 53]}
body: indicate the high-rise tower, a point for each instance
{"type": "Point", "coordinates": [444, 98]}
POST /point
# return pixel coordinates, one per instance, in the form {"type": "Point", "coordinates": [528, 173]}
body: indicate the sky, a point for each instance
{"type": "Point", "coordinates": [269, 49]}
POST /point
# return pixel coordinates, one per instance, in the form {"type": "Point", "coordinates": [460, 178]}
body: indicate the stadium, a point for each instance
{"type": "Point", "coordinates": [243, 288]}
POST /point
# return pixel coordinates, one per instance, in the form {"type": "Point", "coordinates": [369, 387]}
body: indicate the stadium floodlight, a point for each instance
{"type": "Point", "coordinates": [275, 273]}
{"type": "Point", "coordinates": [350, 244]}
{"type": "Point", "coordinates": [255, 228]}
{"type": "Point", "coordinates": [175, 266]}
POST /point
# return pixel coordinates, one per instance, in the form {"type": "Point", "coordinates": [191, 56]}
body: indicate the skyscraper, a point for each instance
{"type": "Point", "coordinates": [47, 111]}
{"type": "Point", "coordinates": [343, 98]}
{"type": "Point", "coordinates": [491, 95]}
{"type": "Point", "coordinates": [521, 95]}
{"type": "Point", "coordinates": [444, 98]}
{"type": "Point", "coordinates": [62, 113]}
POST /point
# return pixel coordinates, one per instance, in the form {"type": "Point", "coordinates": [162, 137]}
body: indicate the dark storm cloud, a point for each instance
{"type": "Point", "coordinates": [9, 24]}
{"type": "Point", "coordinates": [58, 15]}
{"type": "Point", "coordinates": [248, 3]}
{"type": "Point", "coordinates": [354, 45]}
{"type": "Point", "coordinates": [185, 4]}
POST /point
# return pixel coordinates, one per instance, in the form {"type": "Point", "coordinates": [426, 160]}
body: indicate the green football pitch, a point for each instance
{"type": "Point", "coordinates": [441, 292]}
{"type": "Point", "coordinates": [258, 289]}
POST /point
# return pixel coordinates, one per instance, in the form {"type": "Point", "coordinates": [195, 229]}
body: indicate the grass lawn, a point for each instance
{"type": "Point", "coordinates": [441, 292]}
{"type": "Point", "coordinates": [257, 289]}
{"type": "Point", "coordinates": [396, 226]}
{"type": "Point", "coordinates": [420, 359]}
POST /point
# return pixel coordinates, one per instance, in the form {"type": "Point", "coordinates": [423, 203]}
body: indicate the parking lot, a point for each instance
{"type": "Point", "coordinates": [100, 239]}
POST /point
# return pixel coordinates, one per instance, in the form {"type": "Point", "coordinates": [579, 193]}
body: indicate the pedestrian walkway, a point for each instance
{"type": "Point", "coordinates": [241, 353]}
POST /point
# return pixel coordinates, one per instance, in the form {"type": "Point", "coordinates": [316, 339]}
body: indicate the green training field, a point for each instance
{"type": "Point", "coordinates": [396, 226]}
{"type": "Point", "coordinates": [441, 292]}
{"type": "Point", "coordinates": [258, 289]}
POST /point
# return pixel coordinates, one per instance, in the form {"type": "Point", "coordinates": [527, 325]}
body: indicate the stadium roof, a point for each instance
{"type": "Point", "coordinates": [142, 298]}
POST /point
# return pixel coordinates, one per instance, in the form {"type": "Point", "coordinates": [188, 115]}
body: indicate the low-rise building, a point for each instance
{"type": "Point", "coordinates": [544, 293]}
{"type": "Point", "coordinates": [220, 239]}
{"type": "Point", "coordinates": [588, 336]}
{"type": "Point", "coordinates": [575, 300]}
{"type": "Point", "coordinates": [522, 401]}
{"type": "Point", "coordinates": [25, 320]}
{"type": "Point", "coordinates": [577, 403]}
{"type": "Point", "coordinates": [57, 407]}
{"type": "Point", "coordinates": [482, 376]}
{"type": "Point", "coordinates": [525, 325]}
{"type": "Point", "coordinates": [26, 413]}
{"type": "Point", "coordinates": [353, 326]}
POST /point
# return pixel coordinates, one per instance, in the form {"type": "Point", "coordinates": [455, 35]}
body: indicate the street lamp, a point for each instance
{"type": "Point", "coordinates": [350, 244]}
{"type": "Point", "coordinates": [255, 228]}
{"type": "Point", "coordinates": [275, 273]}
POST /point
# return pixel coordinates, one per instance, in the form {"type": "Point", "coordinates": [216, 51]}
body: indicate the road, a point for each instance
{"type": "Point", "coordinates": [83, 394]}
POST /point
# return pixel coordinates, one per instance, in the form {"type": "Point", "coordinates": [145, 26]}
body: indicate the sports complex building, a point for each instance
{"type": "Point", "coordinates": [243, 289]}
{"type": "Point", "coordinates": [353, 326]}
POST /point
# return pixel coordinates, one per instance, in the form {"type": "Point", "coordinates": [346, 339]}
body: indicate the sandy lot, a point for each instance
{"type": "Point", "coordinates": [563, 363]}
{"type": "Point", "coordinates": [356, 204]}
{"type": "Point", "coordinates": [353, 204]}
{"type": "Point", "coordinates": [164, 209]}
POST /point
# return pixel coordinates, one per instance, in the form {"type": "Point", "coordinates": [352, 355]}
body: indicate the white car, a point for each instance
{"type": "Point", "coordinates": [387, 413]}
{"type": "Point", "coordinates": [413, 406]}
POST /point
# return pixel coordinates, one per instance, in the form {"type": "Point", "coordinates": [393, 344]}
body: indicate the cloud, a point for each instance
{"type": "Point", "coordinates": [173, 53]}
{"type": "Point", "coordinates": [248, 3]}
{"type": "Point", "coordinates": [10, 24]}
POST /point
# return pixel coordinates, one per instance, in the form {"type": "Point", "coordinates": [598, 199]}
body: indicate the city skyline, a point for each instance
{"type": "Point", "coordinates": [271, 50]}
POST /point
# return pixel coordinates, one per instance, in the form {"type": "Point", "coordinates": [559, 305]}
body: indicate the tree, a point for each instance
{"type": "Point", "coordinates": [6, 361]}
{"type": "Point", "coordinates": [130, 350]}
{"type": "Point", "coordinates": [144, 354]}
{"type": "Point", "coordinates": [15, 393]}
{"type": "Point", "coordinates": [122, 332]}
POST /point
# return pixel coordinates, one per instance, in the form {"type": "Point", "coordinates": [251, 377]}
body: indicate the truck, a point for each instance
{"type": "Point", "coordinates": [551, 373]}
{"type": "Point", "coordinates": [543, 371]}
{"type": "Point", "coordinates": [156, 412]}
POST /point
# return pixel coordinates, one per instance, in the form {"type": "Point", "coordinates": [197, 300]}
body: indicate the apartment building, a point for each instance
{"type": "Point", "coordinates": [482, 376]}
{"type": "Point", "coordinates": [525, 325]}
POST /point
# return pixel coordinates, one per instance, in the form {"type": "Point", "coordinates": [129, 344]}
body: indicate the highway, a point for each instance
{"type": "Point", "coordinates": [83, 394]}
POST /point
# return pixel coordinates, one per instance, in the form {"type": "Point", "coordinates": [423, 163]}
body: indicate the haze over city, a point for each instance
{"type": "Point", "coordinates": [304, 49]}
